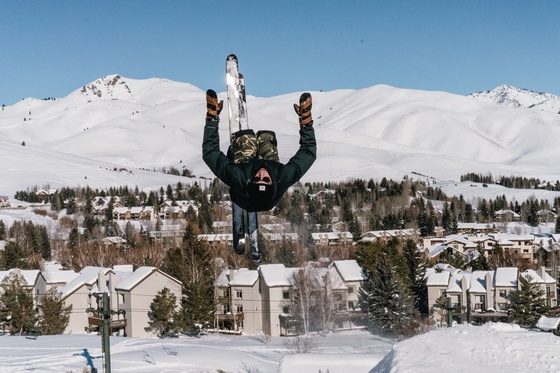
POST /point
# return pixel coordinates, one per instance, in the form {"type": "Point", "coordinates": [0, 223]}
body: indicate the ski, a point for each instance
{"type": "Point", "coordinates": [238, 120]}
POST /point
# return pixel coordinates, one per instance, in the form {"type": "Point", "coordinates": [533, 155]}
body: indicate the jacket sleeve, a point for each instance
{"type": "Point", "coordinates": [301, 162]}
{"type": "Point", "coordinates": [217, 161]}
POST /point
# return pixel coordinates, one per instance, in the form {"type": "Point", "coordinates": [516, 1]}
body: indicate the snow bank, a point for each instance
{"type": "Point", "coordinates": [496, 348]}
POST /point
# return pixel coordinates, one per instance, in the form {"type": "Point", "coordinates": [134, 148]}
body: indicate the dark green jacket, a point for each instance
{"type": "Point", "coordinates": [239, 176]}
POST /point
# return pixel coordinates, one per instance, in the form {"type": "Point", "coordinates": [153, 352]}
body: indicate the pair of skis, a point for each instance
{"type": "Point", "coordinates": [237, 114]}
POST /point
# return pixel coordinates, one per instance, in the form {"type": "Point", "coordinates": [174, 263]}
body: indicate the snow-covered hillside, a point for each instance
{"type": "Point", "coordinates": [116, 131]}
{"type": "Point", "coordinates": [517, 97]}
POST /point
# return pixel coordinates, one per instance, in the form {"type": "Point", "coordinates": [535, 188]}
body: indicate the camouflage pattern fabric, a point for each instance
{"type": "Point", "coordinates": [248, 145]}
{"type": "Point", "coordinates": [244, 147]}
{"type": "Point", "coordinates": [267, 146]}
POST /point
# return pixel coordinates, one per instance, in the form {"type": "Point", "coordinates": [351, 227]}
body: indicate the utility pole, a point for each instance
{"type": "Point", "coordinates": [104, 309]}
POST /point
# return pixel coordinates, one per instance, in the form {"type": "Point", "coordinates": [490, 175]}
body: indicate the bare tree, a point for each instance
{"type": "Point", "coordinates": [312, 298]}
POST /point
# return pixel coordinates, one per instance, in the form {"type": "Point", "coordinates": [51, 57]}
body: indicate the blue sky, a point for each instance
{"type": "Point", "coordinates": [51, 48]}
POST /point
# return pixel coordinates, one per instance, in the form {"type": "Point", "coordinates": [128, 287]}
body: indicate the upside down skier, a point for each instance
{"type": "Point", "coordinates": [252, 169]}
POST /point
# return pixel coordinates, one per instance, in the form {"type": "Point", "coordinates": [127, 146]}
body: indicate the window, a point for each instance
{"type": "Point", "coordinates": [286, 310]}
{"type": "Point", "coordinates": [479, 302]}
{"type": "Point", "coordinates": [503, 294]}
{"type": "Point", "coordinates": [122, 298]}
{"type": "Point", "coordinates": [239, 294]}
{"type": "Point", "coordinates": [285, 294]}
{"type": "Point", "coordinates": [350, 289]}
{"type": "Point", "coordinates": [351, 305]}
{"type": "Point", "coordinates": [225, 293]}
{"type": "Point", "coordinates": [226, 308]}
{"type": "Point", "coordinates": [239, 308]}
{"type": "Point", "coordinates": [455, 301]}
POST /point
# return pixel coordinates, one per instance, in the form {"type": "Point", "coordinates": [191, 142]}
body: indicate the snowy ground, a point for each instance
{"type": "Point", "coordinates": [67, 353]}
{"type": "Point", "coordinates": [496, 348]}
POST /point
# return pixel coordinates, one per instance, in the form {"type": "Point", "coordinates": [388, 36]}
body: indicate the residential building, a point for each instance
{"type": "Point", "coordinates": [128, 290]}
{"type": "Point", "coordinates": [262, 300]}
{"type": "Point", "coordinates": [238, 301]}
{"type": "Point", "coordinates": [506, 216]}
{"type": "Point", "coordinates": [275, 286]}
{"type": "Point", "coordinates": [483, 295]}
{"type": "Point", "coordinates": [475, 228]}
{"type": "Point", "coordinates": [137, 291]}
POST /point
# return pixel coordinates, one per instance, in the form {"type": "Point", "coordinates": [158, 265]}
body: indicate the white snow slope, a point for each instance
{"type": "Point", "coordinates": [136, 126]}
{"type": "Point", "coordinates": [492, 348]}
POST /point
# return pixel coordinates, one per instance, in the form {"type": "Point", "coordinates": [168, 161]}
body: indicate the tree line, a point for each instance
{"type": "Point", "coordinates": [516, 182]}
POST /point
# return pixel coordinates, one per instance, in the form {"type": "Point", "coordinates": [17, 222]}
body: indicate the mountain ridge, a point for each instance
{"type": "Point", "coordinates": [380, 131]}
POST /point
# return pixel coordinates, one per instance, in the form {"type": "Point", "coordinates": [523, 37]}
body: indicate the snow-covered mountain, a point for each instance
{"type": "Point", "coordinates": [517, 97]}
{"type": "Point", "coordinates": [117, 131]}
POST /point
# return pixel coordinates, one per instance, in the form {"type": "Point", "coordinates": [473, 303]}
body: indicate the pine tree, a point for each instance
{"type": "Point", "coordinates": [417, 266]}
{"type": "Point", "coordinates": [2, 230]}
{"type": "Point", "coordinates": [163, 314]}
{"type": "Point", "coordinates": [16, 304]}
{"type": "Point", "coordinates": [55, 315]}
{"type": "Point", "coordinates": [73, 238]}
{"type": "Point", "coordinates": [198, 283]}
{"type": "Point", "coordinates": [14, 256]}
{"type": "Point", "coordinates": [528, 303]}
{"type": "Point", "coordinates": [383, 298]}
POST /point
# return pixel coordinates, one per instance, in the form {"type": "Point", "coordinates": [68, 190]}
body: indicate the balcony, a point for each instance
{"type": "Point", "coordinates": [236, 316]}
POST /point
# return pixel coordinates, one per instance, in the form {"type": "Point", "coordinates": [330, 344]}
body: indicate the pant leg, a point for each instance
{"type": "Point", "coordinates": [244, 146]}
{"type": "Point", "coordinates": [267, 146]}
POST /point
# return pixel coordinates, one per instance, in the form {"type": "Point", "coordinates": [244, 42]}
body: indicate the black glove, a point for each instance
{"type": "Point", "coordinates": [304, 109]}
{"type": "Point", "coordinates": [213, 107]}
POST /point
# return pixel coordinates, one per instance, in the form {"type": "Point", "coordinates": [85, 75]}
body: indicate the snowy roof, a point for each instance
{"type": "Point", "coordinates": [436, 249]}
{"type": "Point", "coordinates": [132, 279]}
{"type": "Point", "coordinates": [438, 279]}
{"type": "Point", "coordinates": [319, 275]}
{"type": "Point", "coordinates": [60, 277]}
{"type": "Point", "coordinates": [123, 268]}
{"type": "Point", "coordinates": [327, 235]}
{"type": "Point", "coordinates": [506, 276]}
{"type": "Point", "coordinates": [276, 274]}
{"type": "Point", "coordinates": [29, 275]}
{"type": "Point", "coordinates": [537, 278]}
{"type": "Point", "coordinates": [280, 236]}
{"type": "Point", "coordinates": [462, 240]}
{"type": "Point", "coordinates": [215, 237]}
{"type": "Point", "coordinates": [88, 276]}
{"type": "Point", "coordinates": [474, 226]}
{"type": "Point", "coordinates": [476, 281]}
{"type": "Point", "coordinates": [244, 277]}
{"type": "Point", "coordinates": [349, 270]}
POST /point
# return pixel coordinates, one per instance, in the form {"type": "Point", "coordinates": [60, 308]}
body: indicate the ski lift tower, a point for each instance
{"type": "Point", "coordinates": [104, 309]}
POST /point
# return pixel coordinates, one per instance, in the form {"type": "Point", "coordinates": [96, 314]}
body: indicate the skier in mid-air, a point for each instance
{"type": "Point", "coordinates": [252, 169]}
